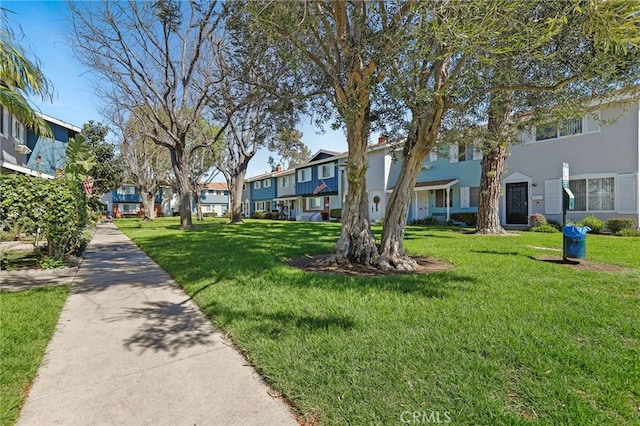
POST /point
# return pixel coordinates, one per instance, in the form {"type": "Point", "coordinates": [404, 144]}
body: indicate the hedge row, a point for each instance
{"type": "Point", "coordinates": [57, 208]}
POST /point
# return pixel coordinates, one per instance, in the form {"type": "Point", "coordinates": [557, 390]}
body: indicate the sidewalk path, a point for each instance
{"type": "Point", "coordinates": [132, 349]}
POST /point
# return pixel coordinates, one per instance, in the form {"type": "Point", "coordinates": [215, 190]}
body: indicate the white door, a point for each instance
{"type": "Point", "coordinates": [422, 204]}
{"type": "Point", "coordinates": [376, 206]}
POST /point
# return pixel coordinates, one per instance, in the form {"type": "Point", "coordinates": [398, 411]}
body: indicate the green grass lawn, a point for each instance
{"type": "Point", "coordinates": [500, 339]}
{"type": "Point", "coordinates": [27, 321]}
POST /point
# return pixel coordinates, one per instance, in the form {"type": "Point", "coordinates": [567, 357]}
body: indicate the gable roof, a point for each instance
{"type": "Point", "coordinates": [220, 186]}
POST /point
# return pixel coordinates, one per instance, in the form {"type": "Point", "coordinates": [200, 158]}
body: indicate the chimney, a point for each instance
{"type": "Point", "coordinates": [278, 168]}
{"type": "Point", "coordinates": [382, 140]}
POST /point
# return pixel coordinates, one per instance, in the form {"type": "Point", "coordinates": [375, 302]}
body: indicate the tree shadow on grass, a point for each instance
{"type": "Point", "coordinates": [502, 253]}
{"type": "Point", "coordinates": [275, 324]}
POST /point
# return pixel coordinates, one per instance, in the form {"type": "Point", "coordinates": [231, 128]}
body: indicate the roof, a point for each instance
{"type": "Point", "coordinates": [59, 122]}
{"type": "Point", "coordinates": [220, 186]}
{"type": "Point", "coordinates": [433, 184]}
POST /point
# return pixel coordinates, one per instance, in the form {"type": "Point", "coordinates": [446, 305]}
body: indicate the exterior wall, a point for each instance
{"type": "Point", "coordinates": [8, 141]}
{"type": "Point", "coordinates": [379, 165]}
{"type": "Point", "coordinates": [262, 194]}
{"type": "Point", "coordinates": [214, 200]}
{"type": "Point", "coordinates": [439, 167]}
{"type": "Point", "coordinates": [127, 201]}
{"type": "Point", "coordinates": [49, 154]}
{"type": "Point", "coordinates": [601, 151]}
{"type": "Point", "coordinates": [309, 187]}
{"type": "Point", "coordinates": [288, 191]}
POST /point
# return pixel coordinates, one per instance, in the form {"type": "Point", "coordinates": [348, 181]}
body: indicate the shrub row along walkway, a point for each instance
{"type": "Point", "coordinates": [132, 348]}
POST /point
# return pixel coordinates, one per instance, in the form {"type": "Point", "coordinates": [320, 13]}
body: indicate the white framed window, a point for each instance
{"type": "Point", "coordinates": [326, 171]}
{"type": "Point", "coordinates": [266, 183]}
{"type": "Point", "coordinates": [124, 190]}
{"type": "Point", "coordinates": [594, 194]}
{"type": "Point", "coordinates": [259, 205]}
{"type": "Point", "coordinates": [433, 155]}
{"type": "Point", "coordinates": [244, 186]}
{"type": "Point", "coordinates": [304, 175]}
{"type": "Point", "coordinates": [256, 184]}
{"type": "Point", "coordinates": [18, 131]}
{"type": "Point", "coordinates": [285, 182]}
{"type": "Point", "coordinates": [315, 203]}
{"type": "Point", "coordinates": [469, 196]}
{"type": "Point", "coordinates": [559, 129]}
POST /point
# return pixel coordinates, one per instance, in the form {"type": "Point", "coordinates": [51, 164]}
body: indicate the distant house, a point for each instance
{"type": "Point", "coordinates": [260, 193]}
{"type": "Point", "coordinates": [126, 201]}
{"type": "Point", "coordinates": [318, 182]}
{"type": "Point", "coordinates": [214, 198]}
{"type": "Point", "coordinates": [23, 151]}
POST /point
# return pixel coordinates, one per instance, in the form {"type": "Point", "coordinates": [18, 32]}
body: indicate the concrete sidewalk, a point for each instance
{"type": "Point", "coordinates": [132, 349]}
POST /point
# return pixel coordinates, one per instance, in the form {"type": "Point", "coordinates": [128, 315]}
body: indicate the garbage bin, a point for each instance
{"type": "Point", "coordinates": [575, 241]}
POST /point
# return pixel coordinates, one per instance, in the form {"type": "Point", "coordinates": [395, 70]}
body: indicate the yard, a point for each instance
{"type": "Point", "coordinates": [27, 322]}
{"type": "Point", "coordinates": [502, 338]}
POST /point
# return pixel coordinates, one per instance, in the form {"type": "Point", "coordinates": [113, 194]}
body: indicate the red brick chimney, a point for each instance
{"type": "Point", "coordinates": [278, 168]}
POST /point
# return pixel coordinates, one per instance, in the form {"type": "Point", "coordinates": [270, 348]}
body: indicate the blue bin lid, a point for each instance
{"type": "Point", "coordinates": [573, 231]}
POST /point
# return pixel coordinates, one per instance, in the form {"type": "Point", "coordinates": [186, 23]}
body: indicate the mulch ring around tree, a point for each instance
{"type": "Point", "coordinates": [582, 264]}
{"type": "Point", "coordinates": [320, 264]}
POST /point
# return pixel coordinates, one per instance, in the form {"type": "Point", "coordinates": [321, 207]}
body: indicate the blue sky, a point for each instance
{"type": "Point", "coordinates": [44, 28]}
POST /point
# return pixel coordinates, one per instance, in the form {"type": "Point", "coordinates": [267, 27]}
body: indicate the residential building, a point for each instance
{"type": "Point", "coordinates": [602, 149]}
{"type": "Point", "coordinates": [23, 151]}
{"type": "Point", "coordinates": [214, 198]}
{"type": "Point", "coordinates": [287, 201]}
{"type": "Point", "coordinates": [318, 184]}
{"type": "Point", "coordinates": [126, 201]}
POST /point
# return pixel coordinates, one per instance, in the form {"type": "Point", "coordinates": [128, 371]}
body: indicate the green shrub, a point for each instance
{"type": "Point", "coordinates": [257, 214]}
{"type": "Point", "coordinates": [427, 221]}
{"type": "Point", "coordinates": [550, 229]}
{"type": "Point", "coordinates": [616, 225]}
{"type": "Point", "coordinates": [596, 225]}
{"type": "Point", "coordinates": [555, 224]}
{"type": "Point", "coordinates": [537, 219]}
{"type": "Point", "coordinates": [628, 232]}
{"type": "Point", "coordinates": [210, 214]}
{"type": "Point", "coordinates": [469, 218]}
{"type": "Point", "coordinates": [335, 213]}
{"type": "Point", "coordinates": [57, 207]}
{"type": "Point", "coordinates": [267, 215]}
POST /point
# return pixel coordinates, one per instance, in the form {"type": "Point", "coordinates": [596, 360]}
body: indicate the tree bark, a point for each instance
{"type": "Point", "coordinates": [148, 202]}
{"type": "Point", "coordinates": [488, 220]}
{"type": "Point", "coordinates": [235, 192]}
{"type": "Point", "coordinates": [420, 141]}
{"type": "Point", "coordinates": [357, 243]}
{"type": "Point", "coordinates": [495, 153]}
{"type": "Point", "coordinates": [392, 254]}
{"type": "Point", "coordinates": [181, 171]}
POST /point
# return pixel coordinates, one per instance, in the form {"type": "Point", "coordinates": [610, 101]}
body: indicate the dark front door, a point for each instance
{"type": "Point", "coordinates": [517, 197]}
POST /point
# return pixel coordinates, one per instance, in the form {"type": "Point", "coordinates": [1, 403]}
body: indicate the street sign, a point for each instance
{"type": "Point", "coordinates": [565, 175]}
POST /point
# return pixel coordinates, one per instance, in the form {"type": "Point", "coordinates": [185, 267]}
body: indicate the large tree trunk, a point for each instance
{"type": "Point", "coordinates": [420, 142]}
{"type": "Point", "coordinates": [181, 170]}
{"type": "Point", "coordinates": [488, 221]}
{"type": "Point", "coordinates": [392, 254]}
{"type": "Point", "coordinates": [149, 202]}
{"type": "Point", "coordinates": [235, 193]}
{"type": "Point", "coordinates": [495, 152]}
{"type": "Point", "coordinates": [357, 243]}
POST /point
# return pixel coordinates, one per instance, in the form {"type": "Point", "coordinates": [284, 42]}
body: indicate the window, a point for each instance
{"type": "Point", "coordinates": [474, 196]}
{"type": "Point", "coordinates": [315, 203]}
{"type": "Point", "coordinates": [256, 184]}
{"type": "Point", "coordinates": [244, 186]}
{"type": "Point", "coordinates": [304, 175]}
{"type": "Point", "coordinates": [260, 205]}
{"type": "Point", "coordinates": [325, 171]}
{"type": "Point", "coordinates": [593, 194]}
{"type": "Point", "coordinates": [126, 190]}
{"type": "Point", "coordinates": [433, 156]}
{"type": "Point", "coordinates": [266, 183]}
{"type": "Point", "coordinates": [18, 130]}
{"type": "Point", "coordinates": [562, 128]}
{"type": "Point", "coordinates": [441, 198]}
{"type": "Point", "coordinates": [284, 182]}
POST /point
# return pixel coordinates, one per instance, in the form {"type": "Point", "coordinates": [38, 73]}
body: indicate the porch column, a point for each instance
{"type": "Point", "coordinates": [448, 190]}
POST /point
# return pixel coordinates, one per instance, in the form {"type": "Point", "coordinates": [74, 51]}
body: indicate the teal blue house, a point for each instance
{"type": "Point", "coordinates": [49, 154]}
